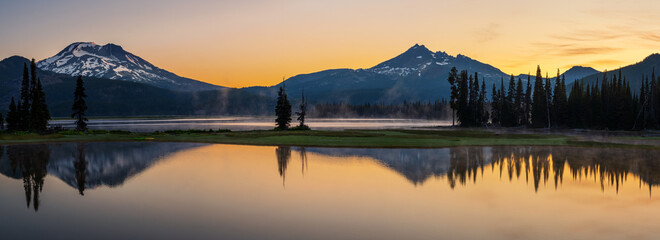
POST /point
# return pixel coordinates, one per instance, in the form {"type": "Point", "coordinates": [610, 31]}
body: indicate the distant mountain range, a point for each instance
{"type": "Point", "coordinates": [112, 97]}
{"type": "Point", "coordinates": [120, 83]}
{"type": "Point", "coordinates": [418, 74]}
{"type": "Point", "coordinates": [632, 73]}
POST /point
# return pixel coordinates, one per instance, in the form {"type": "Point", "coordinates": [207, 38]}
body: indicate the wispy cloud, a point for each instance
{"type": "Point", "coordinates": [487, 33]}
{"type": "Point", "coordinates": [569, 49]}
{"type": "Point", "coordinates": [589, 36]}
{"type": "Point", "coordinates": [586, 50]}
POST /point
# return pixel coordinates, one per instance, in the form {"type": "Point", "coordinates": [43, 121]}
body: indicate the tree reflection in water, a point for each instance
{"type": "Point", "coordinates": [610, 167]}
{"type": "Point", "coordinates": [283, 156]}
{"type": "Point", "coordinates": [537, 165]}
{"type": "Point", "coordinates": [31, 162]}
{"type": "Point", "coordinates": [303, 159]}
{"type": "Point", "coordinates": [80, 165]}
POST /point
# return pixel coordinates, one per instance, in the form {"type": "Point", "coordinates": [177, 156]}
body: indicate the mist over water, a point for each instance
{"type": "Point", "coordinates": [188, 190]}
{"type": "Point", "coordinates": [250, 123]}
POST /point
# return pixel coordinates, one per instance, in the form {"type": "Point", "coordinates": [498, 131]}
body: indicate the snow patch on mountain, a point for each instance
{"type": "Point", "coordinates": [113, 62]}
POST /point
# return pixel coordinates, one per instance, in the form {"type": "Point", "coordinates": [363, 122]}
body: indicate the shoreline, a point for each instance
{"type": "Point", "coordinates": [386, 138]}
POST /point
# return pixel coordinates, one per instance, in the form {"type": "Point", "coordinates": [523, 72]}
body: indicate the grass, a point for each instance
{"type": "Point", "coordinates": [346, 138]}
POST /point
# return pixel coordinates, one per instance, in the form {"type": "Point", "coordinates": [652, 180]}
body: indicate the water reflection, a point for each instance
{"type": "Point", "coordinates": [460, 165]}
{"type": "Point", "coordinates": [283, 156]}
{"type": "Point", "coordinates": [81, 165]}
{"type": "Point", "coordinates": [85, 166]}
{"type": "Point", "coordinates": [30, 162]}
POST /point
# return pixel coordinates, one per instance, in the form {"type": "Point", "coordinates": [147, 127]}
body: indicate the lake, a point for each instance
{"type": "Point", "coordinates": [249, 123]}
{"type": "Point", "coordinates": [150, 190]}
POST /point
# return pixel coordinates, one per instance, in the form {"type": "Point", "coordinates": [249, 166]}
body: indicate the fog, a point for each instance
{"type": "Point", "coordinates": [250, 123]}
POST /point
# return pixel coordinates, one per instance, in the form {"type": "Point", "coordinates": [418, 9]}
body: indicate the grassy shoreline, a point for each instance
{"type": "Point", "coordinates": [314, 138]}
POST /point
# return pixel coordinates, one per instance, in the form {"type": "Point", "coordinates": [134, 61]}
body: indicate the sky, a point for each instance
{"type": "Point", "coordinates": [259, 42]}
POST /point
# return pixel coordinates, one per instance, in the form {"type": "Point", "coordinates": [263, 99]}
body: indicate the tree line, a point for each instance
{"type": "Point", "coordinates": [428, 110]}
{"type": "Point", "coordinates": [609, 103]}
{"type": "Point", "coordinates": [31, 113]}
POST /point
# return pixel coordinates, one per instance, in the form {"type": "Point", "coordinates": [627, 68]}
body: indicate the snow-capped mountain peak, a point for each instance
{"type": "Point", "coordinates": [113, 62]}
{"type": "Point", "coordinates": [419, 61]}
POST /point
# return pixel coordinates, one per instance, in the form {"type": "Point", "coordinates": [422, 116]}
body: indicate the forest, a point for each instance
{"type": "Point", "coordinates": [609, 104]}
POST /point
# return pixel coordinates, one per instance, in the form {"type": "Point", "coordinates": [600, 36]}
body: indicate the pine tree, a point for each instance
{"type": "Point", "coordinates": [79, 105]}
{"type": "Point", "coordinates": [604, 96]}
{"type": "Point", "coordinates": [539, 102]}
{"type": "Point", "coordinates": [548, 99]}
{"type": "Point", "coordinates": [302, 111]}
{"type": "Point", "coordinates": [39, 114]}
{"type": "Point", "coordinates": [495, 107]}
{"type": "Point", "coordinates": [482, 104]}
{"type": "Point", "coordinates": [23, 111]}
{"type": "Point", "coordinates": [575, 103]}
{"type": "Point", "coordinates": [528, 101]}
{"type": "Point", "coordinates": [462, 102]}
{"type": "Point", "coordinates": [282, 110]}
{"type": "Point", "coordinates": [518, 103]}
{"type": "Point", "coordinates": [2, 122]}
{"type": "Point", "coordinates": [453, 75]}
{"type": "Point", "coordinates": [13, 117]}
{"type": "Point", "coordinates": [475, 103]}
{"type": "Point", "coordinates": [559, 101]}
{"type": "Point", "coordinates": [32, 118]}
{"type": "Point", "coordinates": [509, 109]}
{"type": "Point", "coordinates": [472, 102]}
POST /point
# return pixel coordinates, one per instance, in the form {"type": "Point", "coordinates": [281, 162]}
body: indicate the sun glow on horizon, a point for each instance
{"type": "Point", "coordinates": [257, 42]}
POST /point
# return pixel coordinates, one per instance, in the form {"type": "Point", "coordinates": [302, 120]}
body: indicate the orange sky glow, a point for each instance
{"type": "Point", "coordinates": [257, 42]}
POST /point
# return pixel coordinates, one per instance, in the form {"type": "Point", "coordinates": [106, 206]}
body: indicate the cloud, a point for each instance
{"type": "Point", "coordinates": [572, 51]}
{"type": "Point", "coordinates": [487, 33]}
{"type": "Point", "coordinates": [567, 49]}
{"type": "Point", "coordinates": [589, 36]}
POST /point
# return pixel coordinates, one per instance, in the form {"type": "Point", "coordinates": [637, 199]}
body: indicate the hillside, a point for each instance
{"type": "Point", "coordinates": [107, 97]}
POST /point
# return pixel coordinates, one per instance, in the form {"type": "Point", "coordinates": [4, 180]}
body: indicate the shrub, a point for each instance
{"type": "Point", "coordinates": [300, 128]}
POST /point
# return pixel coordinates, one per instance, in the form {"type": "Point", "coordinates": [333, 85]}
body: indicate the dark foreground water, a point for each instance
{"type": "Point", "coordinates": [199, 191]}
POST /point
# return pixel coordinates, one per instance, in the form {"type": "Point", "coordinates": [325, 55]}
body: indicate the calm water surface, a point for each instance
{"type": "Point", "coordinates": [199, 191]}
{"type": "Point", "coordinates": [249, 123]}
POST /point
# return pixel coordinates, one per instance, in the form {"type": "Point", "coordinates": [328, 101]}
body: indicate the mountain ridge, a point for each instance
{"type": "Point", "coordinates": [111, 61]}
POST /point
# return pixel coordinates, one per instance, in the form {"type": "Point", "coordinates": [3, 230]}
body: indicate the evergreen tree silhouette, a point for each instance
{"type": "Point", "coordinates": [13, 117]}
{"type": "Point", "coordinates": [539, 102]}
{"type": "Point", "coordinates": [24, 102]}
{"type": "Point", "coordinates": [453, 76]}
{"type": "Point", "coordinates": [302, 111]}
{"type": "Point", "coordinates": [282, 110]}
{"type": "Point", "coordinates": [39, 114]}
{"type": "Point", "coordinates": [79, 105]}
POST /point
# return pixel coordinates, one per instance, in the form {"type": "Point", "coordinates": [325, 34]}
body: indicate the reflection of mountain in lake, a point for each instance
{"type": "Point", "coordinates": [540, 165]}
{"type": "Point", "coordinates": [107, 164]}
{"type": "Point", "coordinates": [416, 165]}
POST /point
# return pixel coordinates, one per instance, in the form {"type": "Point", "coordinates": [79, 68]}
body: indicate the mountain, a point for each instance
{"type": "Point", "coordinates": [111, 61]}
{"type": "Point", "coordinates": [418, 74]}
{"type": "Point", "coordinates": [573, 74]}
{"type": "Point", "coordinates": [108, 97]}
{"type": "Point", "coordinates": [633, 73]}
{"type": "Point", "coordinates": [578, 72]}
